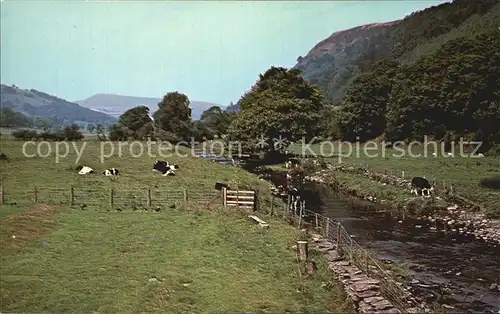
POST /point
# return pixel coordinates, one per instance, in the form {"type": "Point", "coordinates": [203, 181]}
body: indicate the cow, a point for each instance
{"type": "Point", "coordinates": [84, 170]}
{"type": "Point", "coordinates": [111, 172]}
{"type": "Point", "coordinates": [165, 168]}
{"type": "Point", "coordinates": [449, 154]}
{"type": "Point", "coordinates": [421, 184]}
{"type": "Point", "coordinates": [220, 186]}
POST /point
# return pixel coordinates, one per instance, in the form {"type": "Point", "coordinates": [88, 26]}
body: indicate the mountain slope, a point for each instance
{"type": "Point", "coordinates": [115, 105]}
{"type": "Point", "coordinates": [335, 62]}
{"type": "Point", "coordinates": [34, 103]}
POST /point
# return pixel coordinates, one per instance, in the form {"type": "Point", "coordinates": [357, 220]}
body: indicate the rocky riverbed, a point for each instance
{"type": "Point", "coordinates": [453, 217]}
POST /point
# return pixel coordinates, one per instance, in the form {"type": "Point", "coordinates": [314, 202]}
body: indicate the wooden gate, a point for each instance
{"type": "Point", "coordinates": [246, 199]}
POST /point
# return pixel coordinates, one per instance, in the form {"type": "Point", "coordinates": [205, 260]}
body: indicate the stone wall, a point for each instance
{"type": "Point", "coordinates": [363, 290]}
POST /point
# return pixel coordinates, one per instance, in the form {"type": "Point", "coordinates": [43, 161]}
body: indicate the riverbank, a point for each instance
{"type": "Point", "coordinates": [391, 194]}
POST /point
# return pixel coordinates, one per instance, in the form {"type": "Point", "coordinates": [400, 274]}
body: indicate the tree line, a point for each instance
{"type": "Point", "coordinates": [452, 92]}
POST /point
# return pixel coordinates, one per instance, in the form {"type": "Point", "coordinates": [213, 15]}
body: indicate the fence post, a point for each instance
{"type": "Point", "coordinates": [350, 248]}
{"type": "Point", "coordinates": [111, 198]}
{"type": "Point", "coordinates": [302, 248]}
{"type": "Point", "coordinates": [185, 195]}
{"type": "Point", "coordinates": [316, 218]}
{"type": "Point", "coordinates": [3, 194]}
{"type": "Point", "coordinates": [238, 199]}
{"type": "Point", "coordinates": [339, 241]}
{"type": "Point", "coordinates": [402, 175]}
{"type": "Point", "coordinates": [327, 228]}
{"type": "Point", "coordinates": [224, 198]}
{"type": "Point", "coordinates": [149, 197]}
{"type": "Point", "coordinates": [272, 204]}
{"type": "Point", "coordinates": [300, 214]}
{"type": "Point", "coordinates": [256, 200]}
{"type": "Point", "coordinates": [367, 257]}
{"type": "Point", "coordinates": [35, 190]}
{"type": "Point", "coordinates": [72, 196]}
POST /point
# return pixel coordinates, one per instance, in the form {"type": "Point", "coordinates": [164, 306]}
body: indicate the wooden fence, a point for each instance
{"type": "Point", "coordinates": [110, 198]}
{"type": "Point", "coordinates": [245, 199]}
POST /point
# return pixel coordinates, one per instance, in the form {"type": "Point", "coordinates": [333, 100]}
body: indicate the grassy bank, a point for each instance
{"type": "Point", "coordinates": [206, 263]}
{"type": "Point", "coordinates": [465, 173]}
{"type": "Point", "coordinates": [184, 259]}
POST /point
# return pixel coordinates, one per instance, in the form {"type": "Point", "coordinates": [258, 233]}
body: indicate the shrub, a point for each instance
{"type": "Point", "coordinates": [491, 182]}
{"type": "Point", "coordinates": [25, 135]}
{"type": "Point", "coordinates": [52, 136]}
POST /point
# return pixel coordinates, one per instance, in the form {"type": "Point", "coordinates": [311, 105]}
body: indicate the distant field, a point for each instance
{"type": "Point", "coordinates": [97, 261]}
{"type": "Point", "coordinates": [464, 173]}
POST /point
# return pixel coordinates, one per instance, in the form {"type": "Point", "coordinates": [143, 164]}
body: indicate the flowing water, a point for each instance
{"type": "Point", "coordinates": [448, 268]}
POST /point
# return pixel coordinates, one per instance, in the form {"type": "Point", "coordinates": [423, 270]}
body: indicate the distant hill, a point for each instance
{"type": "Point", "coordinates": [335, 62]}
{"type": "Point", "coordinates": [115, 105]}
{"type": "Point", "coordinates": [33, 103]}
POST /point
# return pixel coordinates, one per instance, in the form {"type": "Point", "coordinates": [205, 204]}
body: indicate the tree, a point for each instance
{"type": "Point", "coordinates": [12, 119]}
{"type": "Point", "coordinates": [217, 120]}
{"type": "Point", "coordinates": [280, 106]}
{"type": "Point", "coordinates": [201, 132]}
{"type": "Point", "coordinates": [91, 127]}
{"type": "Point", "coordinates": [100, 130]}
{"type": "Point", "coordinates": [117, 132]}
{"type": "Point", "coordinates": [364, 105]}
{"type": "Point", "coordinates": [72, 133]}
{"type": "Point", "coordinates": [137, 122]}
{"type": "Point", "coordinates": [174, 115]}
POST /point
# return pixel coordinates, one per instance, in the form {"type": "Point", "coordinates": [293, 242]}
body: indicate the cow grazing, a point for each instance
{"type": "Point", "coordinates": [165, 168]}
{"type": "Point", "coordinates": [480, 155]}
{"type": "Point", "coordinates": [220, 186]}
{"type": "Point", "coordinates": [84, 170]}
{"type": "Point", "coordinates": [449, 154]}
{"type": "Point", "coordinates": [421, 184]}
{"type": "Point", "coordinates": [111, 172]}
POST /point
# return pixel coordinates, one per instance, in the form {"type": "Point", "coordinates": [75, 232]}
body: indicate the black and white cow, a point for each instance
{"type": "Point", "coordinates": [419, 184]}
{"type": "Point", "coordinates": [220, 186]}
{"type": "Point", "coordinates": [84, 170]}
{"type": "Point", "coordinates": [111, 172]}
{"type": "Point", "coordinates": [165, 168]}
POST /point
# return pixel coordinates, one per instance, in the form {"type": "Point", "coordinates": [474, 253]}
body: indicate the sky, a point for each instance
{"type": "Point", "coordinates": [209, 50]}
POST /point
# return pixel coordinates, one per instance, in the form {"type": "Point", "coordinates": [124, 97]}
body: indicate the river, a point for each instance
{"type": "Point", "coordinates": [451, 269]}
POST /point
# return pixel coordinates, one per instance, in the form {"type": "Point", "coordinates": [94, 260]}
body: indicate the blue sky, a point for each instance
{"type": "Point", "coordinates": [211, 51]}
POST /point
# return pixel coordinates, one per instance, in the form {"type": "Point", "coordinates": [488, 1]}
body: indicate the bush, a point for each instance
{"type": "Point", "coordinates": [72, 133]}
{"type": "Point", "coordinates": [491, 183]}
{"type": "Point", "coordinates": [52, 136]}
{"type": "Point", "coordinates": [25, 135]}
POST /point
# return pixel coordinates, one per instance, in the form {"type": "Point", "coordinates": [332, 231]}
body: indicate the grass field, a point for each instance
{"type": "Point", "coordinates": [68, 260]}
{"type": "Point", "coordinates": [465, 173]}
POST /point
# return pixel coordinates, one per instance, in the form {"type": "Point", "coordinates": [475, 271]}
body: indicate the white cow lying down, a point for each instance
{"type": "Point", "coordinates": [84, 170]}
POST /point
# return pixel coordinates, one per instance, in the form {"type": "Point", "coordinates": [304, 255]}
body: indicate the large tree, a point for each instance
{"type": "Point", "coordinates": [364, 105]}
{"type": "Point", "coordinates": [174, 115]}
{"type": "Point", "coordinates": [137, 122]}
{"type": "Point", "coordinates": [217, 119]}
{"type": "Point", "coordinates": [279, 108]}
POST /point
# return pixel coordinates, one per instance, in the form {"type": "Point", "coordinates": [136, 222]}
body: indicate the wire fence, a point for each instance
{"type": "Point", "coordinates": [110, 198]}
{"type": "Point", "coordinates": [347, 248]}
